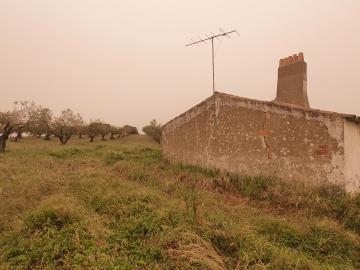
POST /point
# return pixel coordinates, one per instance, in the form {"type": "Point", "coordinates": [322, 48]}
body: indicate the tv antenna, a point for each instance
{"type": "Point", "coordinates": [222, 34]}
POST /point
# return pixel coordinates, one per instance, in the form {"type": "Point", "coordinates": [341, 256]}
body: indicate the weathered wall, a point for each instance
{"type": "Point", "coordinates": [352, 155]}
{"type": "Point", "coordinates": [254, 137]}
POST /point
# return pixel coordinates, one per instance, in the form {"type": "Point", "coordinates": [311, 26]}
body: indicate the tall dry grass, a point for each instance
{"type": "Point", "coordinates": [119, 205]}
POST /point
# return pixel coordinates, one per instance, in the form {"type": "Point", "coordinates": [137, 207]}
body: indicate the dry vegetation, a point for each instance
{"type": "Point", "coordinates": [119, 205]}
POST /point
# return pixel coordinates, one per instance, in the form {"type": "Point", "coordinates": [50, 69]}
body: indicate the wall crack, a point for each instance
{"type": "Point", "coordinates": [264, 133]}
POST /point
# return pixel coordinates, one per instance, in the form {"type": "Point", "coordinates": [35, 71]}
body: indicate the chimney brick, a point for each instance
{"type": "Point", "coordinates": [292, 81]}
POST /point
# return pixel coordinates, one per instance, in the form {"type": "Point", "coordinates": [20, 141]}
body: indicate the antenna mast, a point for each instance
{"type": "Point", "coordinates": [222, 34]}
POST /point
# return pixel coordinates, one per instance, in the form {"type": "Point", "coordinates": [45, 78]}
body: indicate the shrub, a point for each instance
{"type": "Point", "coordinates": [153, 130]}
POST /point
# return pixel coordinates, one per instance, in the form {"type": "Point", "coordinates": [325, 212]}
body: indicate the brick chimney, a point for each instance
{"type": "Point", "coordinates": [292, 81]}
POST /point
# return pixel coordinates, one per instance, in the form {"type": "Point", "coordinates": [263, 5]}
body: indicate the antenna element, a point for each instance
{"type": "Point", "coordinates": [222, 34]}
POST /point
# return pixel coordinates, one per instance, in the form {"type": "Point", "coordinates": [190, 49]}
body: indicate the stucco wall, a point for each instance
{"type": "Point", "coordinates": [254, 137]}
{"type": "Point", "coordinates": [352, 155]}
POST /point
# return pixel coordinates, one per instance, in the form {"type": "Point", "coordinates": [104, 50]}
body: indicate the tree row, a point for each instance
{"type": "Point", "coordinates": [35, 120]}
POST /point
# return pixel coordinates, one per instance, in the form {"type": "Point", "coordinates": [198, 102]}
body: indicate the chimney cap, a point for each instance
{"type": "Point", "coordinates": [295, 58]}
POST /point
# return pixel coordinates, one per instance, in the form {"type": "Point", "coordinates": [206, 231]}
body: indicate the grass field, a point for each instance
{"type": "Point", "coordinates": [119, 205]}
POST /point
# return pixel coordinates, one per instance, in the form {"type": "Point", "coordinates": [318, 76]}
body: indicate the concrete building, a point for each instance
{"type": "Point", "coordinates": [284, 137]}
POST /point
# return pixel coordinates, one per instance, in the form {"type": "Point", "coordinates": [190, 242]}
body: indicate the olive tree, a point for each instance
{"type": "Point", "coordinates": [40, 121]}
{"type": "Point", "coordinates": [64, 126]}
{"type": "Point", "coordinates": [81, 130]}
{"type": "Point", "coordinates": [14, 121]}
{"type": "Point", "coordinates": [127, 130]}
{"type": "Point", "coordinates": [115, 131]}
{"type": "Point", "coordinates": [98, 128]}
{"type": "Point", "coordinates": [92, 130]}
{"type": "Point", "coordinates": [8, 125]}
{"type": "Point", "coordinates": [81, 127]}
{"type": "Point", "coordinates": [104, 130]}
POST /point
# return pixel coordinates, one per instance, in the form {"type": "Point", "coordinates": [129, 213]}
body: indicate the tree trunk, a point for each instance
{"type": "Point", "coordinates": [63, 142]}
{"type": "Point", "coordinates": [80, 136]}
{"type": "Point", "coordinates": [47, 137]}
{"type": "Point", "coordinates": [18, 136]}
{"type": "Point", "coordinates": [67, 138]}
{"type": "Point", "coordinates": [61, 138]}
{"type": "Point", "coordinates": [91, 138]}
{"type": "Point", "coordinates": [3, 139]}
{"type": "Point", "coordinates": [112, 136]}
{"type": "Point", "coordinates": [103, 137]}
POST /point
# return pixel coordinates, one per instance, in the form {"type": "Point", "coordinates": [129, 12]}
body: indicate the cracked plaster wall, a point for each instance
{"type": "Point", "coordinates": [249, 137]}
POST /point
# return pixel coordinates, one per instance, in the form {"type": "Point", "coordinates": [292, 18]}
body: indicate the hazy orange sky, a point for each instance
{"type": "Point", "coordinates": [125, 61]}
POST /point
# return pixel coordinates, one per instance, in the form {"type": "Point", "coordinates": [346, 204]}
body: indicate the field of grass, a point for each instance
{"type": "Point", "coordinates": [119, 205]}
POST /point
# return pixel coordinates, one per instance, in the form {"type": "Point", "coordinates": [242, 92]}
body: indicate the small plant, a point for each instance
{"type": "Point", "coordinates": [192, 203]}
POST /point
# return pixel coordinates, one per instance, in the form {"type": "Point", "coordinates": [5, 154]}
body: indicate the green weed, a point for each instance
{"type": "Point", "coordinates": [111, 158]}
{"type": "Point", "coordinates": [191, 198]}
{"type": "Point", "coordinates": [281, 233]}
{"type": "Point", "coordinates": [66, 153]}
{"type": "Point", "coordinates": [48, 239]}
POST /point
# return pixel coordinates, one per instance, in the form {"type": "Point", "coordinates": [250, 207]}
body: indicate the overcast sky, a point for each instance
{"type": "Point", "coordinates": [125, 62]}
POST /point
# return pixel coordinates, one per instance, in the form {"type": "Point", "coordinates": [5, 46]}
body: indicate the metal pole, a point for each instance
{"type": "Point", "coordinates": [213, 63]}
{"type": "Point", "coordinates": [212, 49]}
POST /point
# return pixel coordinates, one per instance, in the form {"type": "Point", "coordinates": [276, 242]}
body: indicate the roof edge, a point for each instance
{"type": "Point", "coordinates": [350, 117]}
{"type": "Point", "coordinates": [192, 108]}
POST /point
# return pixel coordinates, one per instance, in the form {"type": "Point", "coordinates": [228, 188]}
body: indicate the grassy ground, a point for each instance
{"type": "Point", "coordinates": [119, 205]}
